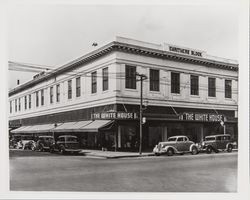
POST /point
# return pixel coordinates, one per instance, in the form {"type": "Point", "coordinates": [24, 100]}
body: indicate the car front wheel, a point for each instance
{"type": "Point", "coordinates": [170, 152]}
{"type": "Point", "coordinates": [62, 150]}
{"type": "Point", "coordinates": [209, 149]}
{"type": "Point", "coordinates": [194, 151]}
{"type": "Point", "coordinates": [229, 148]}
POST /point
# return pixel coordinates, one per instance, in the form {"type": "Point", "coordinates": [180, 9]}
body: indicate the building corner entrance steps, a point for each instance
{"type": "Point", "coordinates": [113, 154]}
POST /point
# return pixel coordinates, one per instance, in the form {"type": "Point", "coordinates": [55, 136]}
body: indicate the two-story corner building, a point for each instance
{"type": "Point", "coordinates": [97, 96]}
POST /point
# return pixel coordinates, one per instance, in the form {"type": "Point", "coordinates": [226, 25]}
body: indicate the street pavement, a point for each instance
{"type": "Point", "coordinates": [181, 173]}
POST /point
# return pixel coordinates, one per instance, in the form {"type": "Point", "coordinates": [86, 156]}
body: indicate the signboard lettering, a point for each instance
{"type": "Point", "coordinates": [201, 117]}
{"type": "Point", "coordinates": [114, 115]}
{"type": "Point", "coordinates": [185, 51]}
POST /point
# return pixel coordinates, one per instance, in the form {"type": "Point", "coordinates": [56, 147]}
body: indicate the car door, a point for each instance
{"type": "Point", "coordinates": [186, 144]}
{"type": "Point", "coordinates": [219, 142]}
{"type": "Point", "coordinates": [180, 145]}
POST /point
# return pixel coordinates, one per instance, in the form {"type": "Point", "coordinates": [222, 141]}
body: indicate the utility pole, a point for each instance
{"type": "Point", "coordinates": [142, 78]}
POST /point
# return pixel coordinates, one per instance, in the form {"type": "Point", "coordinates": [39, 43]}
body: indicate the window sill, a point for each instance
{"type": "Point", "coordinates": [194, 96]}
{"type": "Point", "coordinates": [175, 94]}
{"type": "Point", "coordinates": [211, 97]}
{"type": "Point", "coordinates": [154, 92]}
{"type": "Point", "coordinates": [131, 90]}
{"type": "Point", "coordinates": [105, 91]}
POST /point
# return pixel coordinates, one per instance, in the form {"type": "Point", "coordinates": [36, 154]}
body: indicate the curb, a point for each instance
{"type": "Point", "coordinates": [116, 157]}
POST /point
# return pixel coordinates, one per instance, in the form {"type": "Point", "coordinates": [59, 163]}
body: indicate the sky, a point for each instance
{"type": "Point", "coordinates": [49, 34]}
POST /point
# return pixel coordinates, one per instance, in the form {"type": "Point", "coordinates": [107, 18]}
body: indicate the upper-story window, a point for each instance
{"type": "Point", "coordinates": [15, 105]}
{"type": "Point", "coordinates": [105, 79]}
{"type": "Point", "coordinates": [29, 101]}
{"type": "Point", "coordinates": [19, 104]}
{"type": "Point", "coordinates": [70, 89]}
{"type": "Point", "coordinates": [211, 87]}
{"type": "Point", "coordinates": [25, 102]}
{"type": "Point", "coordinates": [194, 85]}
{"type": "Point", "coordinates": [37, 99]}
{"type": "Point", "coordinates": [154, 80]}
{"type": "Point", "coordinates": [42, 97]}
{"type": "Point", "coordinates": [58, 93]}
{"type": "Point", "coordinates": [130, 73]}
{"type": "Point", "coordinates": [78, 86]}
{"type": "Point", "coordinates": [10, 106]}
{"type": "Point", "coordinates": [93, 82]}
{"type": "Point", "coordinates": [228, 88]}
{"type": "Point", "coordinates": [175, 82]}
{"type": "Point", "coordinates": [51, 94]}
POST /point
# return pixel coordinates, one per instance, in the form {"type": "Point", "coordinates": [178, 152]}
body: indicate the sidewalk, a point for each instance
{"type": "Point", "coordinates": [113, 154]}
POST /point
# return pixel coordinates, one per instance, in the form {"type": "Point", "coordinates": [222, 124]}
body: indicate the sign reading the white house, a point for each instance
{"type": "Point", "coordinates": [201, 117]}
{"type": "Point", "coordinates": [114, 115]}
{"type": "Point", "coordinates": [185, 51]}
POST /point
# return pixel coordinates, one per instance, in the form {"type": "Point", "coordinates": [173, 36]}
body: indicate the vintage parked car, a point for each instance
{"type": "Point", "coordinates": [26, 142]}
{"type": "Point", "coordinates": [66, 143]}
{"type": "Point", "coordinates": [218, 142]}
{"type": "Point", "coordinates": [176, 145]}
{"type": "Point", "coordinates": [44, 142]}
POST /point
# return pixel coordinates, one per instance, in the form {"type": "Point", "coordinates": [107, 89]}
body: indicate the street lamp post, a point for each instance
{"type": "Point", "coordinates": [142, 78]}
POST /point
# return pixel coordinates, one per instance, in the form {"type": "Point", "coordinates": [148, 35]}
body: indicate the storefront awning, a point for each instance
{"type": "Point", "coordinates": [43, 128]}
{"type": "Point", "coordinates": [71, 126]}
{"type": "Point", "coordinates": [95, 125]}
{"type": "Point", "coordinates": [80, 126]}
{"type": "Point", "coordinates": [19, 130]}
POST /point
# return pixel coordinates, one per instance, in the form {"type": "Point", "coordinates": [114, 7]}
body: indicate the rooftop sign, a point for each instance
{"type": "Point", "coordinates": [186, 51]}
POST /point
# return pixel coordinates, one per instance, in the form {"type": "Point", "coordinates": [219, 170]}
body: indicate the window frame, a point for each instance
{"type": "Point", "coordinates": [94, 82]}
{"type": "Point", "coordinates": [78, 86]}
{"type": "Point", "coordinates": [19, 104]}
{"type": "Point", "coordinates": [15, 105]}
{"type": "Point", "coordinates": [194, 85]}
{"type": "Point", "coordinates": [69, 89]}
{"type": "Point", "coordinates": [42, 97]}
{"type": "Point", "coordinates": [25, 102]}
{"type": "Point", "coordinates": [51, 94]}
{"type": "Point", "coordinates": [154, 80]}
{"type": "Point", "coordinates": [228, 89]}
{"type": "Point", "coordinates": [130, 77]}
{"type": "Point", "coordinates": [105, 79]}
{"type": "Point", "coordinates": [211, 87]}
{"type": "Point", "coordinates": [58, 93]}
{"type": "Point", "coordinates": [29, 101]}
{"type": "Point", "coordinates": [10, 106]}
{"type": "Point", "coordinates": [175, 82]}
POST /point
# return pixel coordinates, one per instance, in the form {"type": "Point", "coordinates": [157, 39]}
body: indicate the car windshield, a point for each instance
{"type": "Point", "coordinates": [71, 139]}
{"type": "Point", "coordinates": [173, 139]}
{"type": "Point", "coordinates": [209, 138]}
